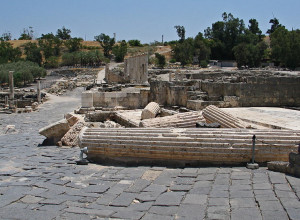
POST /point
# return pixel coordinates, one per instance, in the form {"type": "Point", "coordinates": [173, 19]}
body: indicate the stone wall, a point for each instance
{"type": "Point", "coordinates": [244, 91]}
{"type": "Point", "coordinates": [131, 100]}
{"type": "Point", "coordinates": [136, 68]}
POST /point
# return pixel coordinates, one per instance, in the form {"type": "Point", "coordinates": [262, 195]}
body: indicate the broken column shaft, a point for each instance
{"type": "Point", "coordinates": [11, 85]}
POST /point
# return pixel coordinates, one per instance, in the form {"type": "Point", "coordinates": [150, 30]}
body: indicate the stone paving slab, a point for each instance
{"type": "Point", "coordinates": [43, 182]}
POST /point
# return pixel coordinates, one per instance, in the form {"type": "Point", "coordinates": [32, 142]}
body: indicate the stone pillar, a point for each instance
{"type": "Point", "coordinates": [11, 85]}
{"type": "Point", "coordinates": [106, 71]}
{"type": "Point", "coordinates": [39, 98]}
{"type": "Point", "coordinates": [6, 101]}
{"type": "Point", "coordinates": [170, 77]}
{"type": "Point", "coordinates": [176, 75]}
{"type": "Point", "coordinates": [87, 100]}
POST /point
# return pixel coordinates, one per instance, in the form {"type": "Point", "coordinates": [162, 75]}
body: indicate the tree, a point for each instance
{"type": "Point", "coordinates": [24, 72]}
{"type": "Point", "coordinates": [180, 32]}
{"type": "Point", "coordinates": [285, 47]}
{"type": "Point", "coordinates": [253, 27]}
{"type": "Point", "coordinates": [202, 49]}
{"type": "Point", "coordinates": [8, 53]}
{"type": "Point", "coordinates": [275, 24]}
{"type": "Point", "coordinates": [33, 53]}
{"type": "Point", "coordinates": [73, 44]}
{"type": "Point", "coordinates": [184, 52]}
{"type": "Point", "coordinates": [106, 43]}
{"type": "Point", "coordinates": [225, 35]}
{"type": "Point", "coordinates": [161, 60]}
{"type": "Point", "coordinates": [50, 45]}
{"type": "Point", "coordinates": [120, 51]}
{"type": "Point", "coordinates": [27, 34]}
{"type": "Point", "coordinates": [6, 36]}
{"type": "Point", "coordinates": [135, 43]}
{"type": "Point", "coordinates": [63, 33]}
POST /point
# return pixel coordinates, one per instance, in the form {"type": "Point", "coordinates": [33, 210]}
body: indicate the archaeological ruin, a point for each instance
{"type": "Point", "coordinates": [181, 117]}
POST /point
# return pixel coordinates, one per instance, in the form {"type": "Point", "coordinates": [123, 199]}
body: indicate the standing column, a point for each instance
{"type": "Point", "coordinates": [106, 71]}
{"type": "Point", "coordinates": [39, 98]}
{"type": "Point", "coordinates": [11, 85]}
{"type": "Point", "coordinates": [6, 101]}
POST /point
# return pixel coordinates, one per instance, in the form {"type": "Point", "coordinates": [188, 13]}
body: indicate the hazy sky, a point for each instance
{"type": "Point", "coordinates": [146, 20]}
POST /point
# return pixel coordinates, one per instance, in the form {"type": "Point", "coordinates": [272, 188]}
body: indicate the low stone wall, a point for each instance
{"type": "Point", "coordinates": [129, 99]}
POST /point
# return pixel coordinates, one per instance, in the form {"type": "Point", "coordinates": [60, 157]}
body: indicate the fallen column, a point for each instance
{"type": "Point", "coordinates": [180, 120]}
{"type": "Point", "coordinates": [150, 111]}
{"type": "Point", "coordinates": [187, 146]}
{"type": "Point", "coordinates": [214, 114]}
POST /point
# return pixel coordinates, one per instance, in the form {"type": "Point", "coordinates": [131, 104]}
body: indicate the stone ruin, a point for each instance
{"type": "Point", "coordinates": [157, 122]}
{"type": "Point", "coordinates": [20, 100]}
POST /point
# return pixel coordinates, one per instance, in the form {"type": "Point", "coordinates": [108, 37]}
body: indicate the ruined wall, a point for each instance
{"type": "Point", "coordinates": [136, 69]}
{"type": "Point", "coordinates": [131, 100]}
{"type": "Point", "coordinates": [170, 93]}
{"type": "Point", "coordinates": [259, 91]}
{"type": "Point", "coordinates": [255, 91]}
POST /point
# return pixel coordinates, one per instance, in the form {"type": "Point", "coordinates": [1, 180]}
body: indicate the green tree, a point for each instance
{"type": "Point", "coordinates": [202, 49]}
{"type": "Point", "coordinates": [73, 44]}
{"type": "Point", "coordinates": [63, 33]}
{"type": "Point", "coordinates": [24, 72]}
{"type": "Point", "coordinates": [27, 34]}
{"type": "Point", "coordinates": [8, 53]}
{"type": "Point", "coordinates": [275, 24]}
{"type": "Point", "coordinates": [120, 51]}
{"type": "Point", "coordinates": [135, 43]}
{"type": "Point", "coordinates": [106, 43]}
{"type": "Point", "coordinates": [225, 35]}
{"type": "Point", "coordinates": [50, 45]}
{"type": "Point", "coordinates": [184, 52]}
{"type": "Point", "coordinates": [161, 60]}
{"type": "Point", "coordinates": [6, 36]}
{"type": "Point", "coordinates": [285, 47]}
{"type": "Point", "coordinates": [33, 53]}
{"type": "Point", "coordinates": [180, 32]}
{"type": "Point", "coordinates": [254, 29]}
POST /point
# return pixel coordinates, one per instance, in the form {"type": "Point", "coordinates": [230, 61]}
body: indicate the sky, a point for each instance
{"type": "Point", "coordinates": [146, 20]}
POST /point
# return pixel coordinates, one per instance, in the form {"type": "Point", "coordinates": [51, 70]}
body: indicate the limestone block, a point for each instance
{"type": "Point", "coordinates": [150, 111]}
{"type": "Point", "coordinates": [54, 132]}
{"type": "Point", "coordinates": [87, 99]}
{"type": "Point", "coordinates": [71, 137]}
{"type": "Point", "coordinates": [73, 118]}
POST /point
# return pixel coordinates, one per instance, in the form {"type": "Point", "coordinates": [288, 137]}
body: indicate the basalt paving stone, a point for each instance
{"type": "Point", "coordinates": [125, 199]}
{"type": "Point", "coordinates": [169, 199]}
{"type": "Point", "coordinates": [128, 214]}
{"type": "Point", "coordinates": [270, 206]}
{"type": "Point", "coordinates": [285, 194]}
{"type": "Point", "coordinates": [185, 181]}
{"type": "Point", "coordinates": [148, 196]}
{"type": "Point", "coordinates": [93, 212]}
{"type": "Point", "coordinates": [138, 186]}
{"type": "Point", "coordinates": [106, 199]}
{"type": "Point", "coordinates": [189, 171]}
{"type": "Point", "coordinates": [163, 210]}
{"type": "Point", "coordinates": [218, 212]}
{"type": "Point", "coordinates": [274, 215]}
{"type": "Point", "coordinates": [96, 189]}
{"type": "Point", "coordinates": [218, 202]}
{"type": "Point", "coordinates": [195, 199]}
{"type": "Point", "coordinates": [200, 190]}
{"type": "Point", "coordinates": [155, 188]}
{"type": "Point", "coordinates": [282, 187]}
{"type": "Point", "coordinates": [150, 216]}
{"type": "Point", "coordinates": [180, 188]}
{"type": "Point", "coordinates": [289, 203]}
{"type": "Point", "coordinates": [241, 194]}
{"type": "Point", "coordinates": [219, 194]}
{"type": "Point", "coordinates": [246, 214]}
{"type": "Point", "coordinates": [208, 177]}
{"type": "Point", "coordinates": [141, 206]}
{"type": "Point", "coordinates": [191, 211]}
{"type": "Point", "coordinates": [236, 203]}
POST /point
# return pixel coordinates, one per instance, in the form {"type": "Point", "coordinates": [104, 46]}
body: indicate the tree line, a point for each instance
{"type": "Point", "coordinates": [231, 39]}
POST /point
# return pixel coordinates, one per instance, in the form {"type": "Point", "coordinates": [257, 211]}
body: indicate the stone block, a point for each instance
{"type": "Point", "coordinates": [87, 99]}
{"type": "Point", "coordinates": [54, 132]}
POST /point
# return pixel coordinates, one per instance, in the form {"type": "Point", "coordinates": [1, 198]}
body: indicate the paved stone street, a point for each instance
{"type": "Point", "coordinates": [45, 183]}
